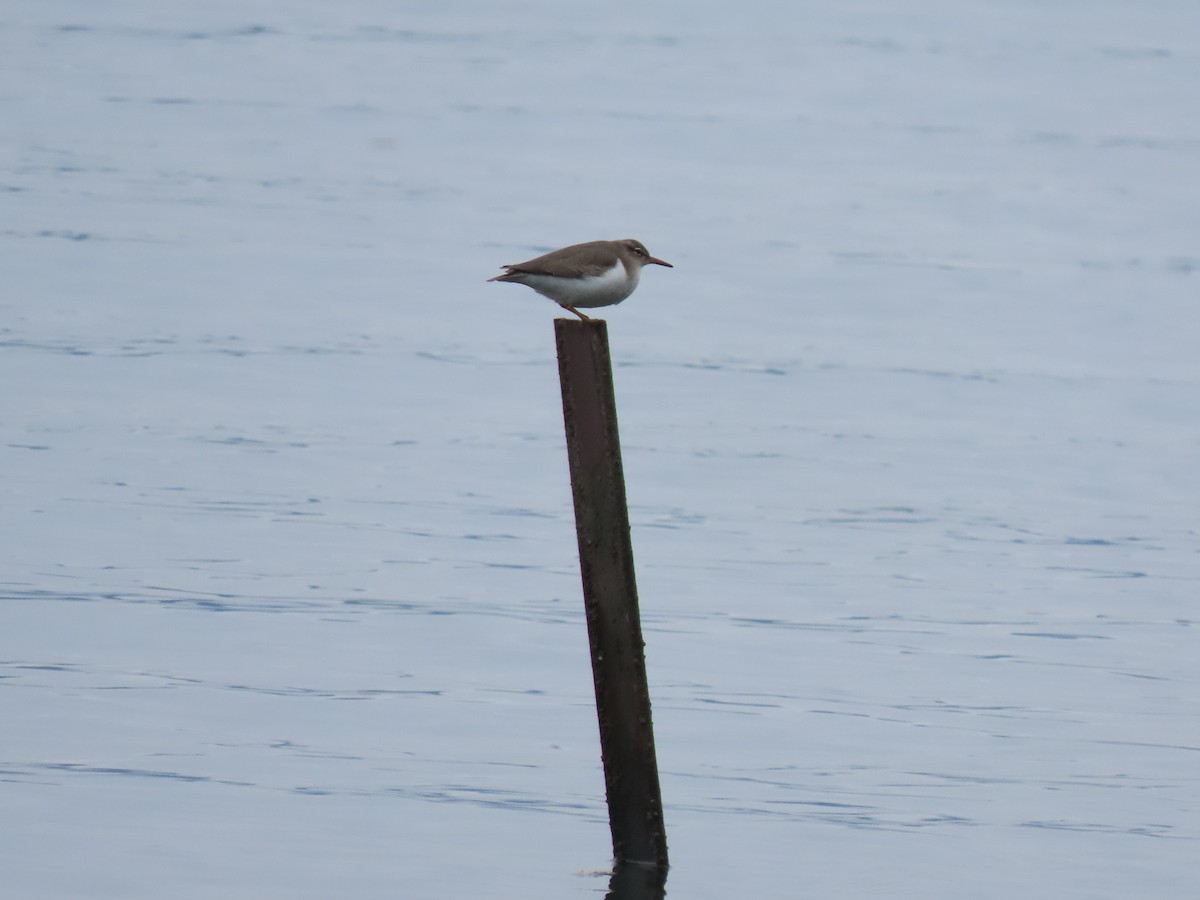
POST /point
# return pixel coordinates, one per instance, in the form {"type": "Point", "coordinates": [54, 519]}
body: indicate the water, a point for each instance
{"type": "Point", "coordinates": [290, 600]}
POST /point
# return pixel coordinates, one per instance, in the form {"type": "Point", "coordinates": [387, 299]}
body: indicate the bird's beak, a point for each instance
{"type": "Point", "coordinates": [658, 262]}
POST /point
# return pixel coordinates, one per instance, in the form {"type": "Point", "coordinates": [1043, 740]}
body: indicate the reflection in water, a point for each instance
{"type": "Point", "coordinates": [636, 881]}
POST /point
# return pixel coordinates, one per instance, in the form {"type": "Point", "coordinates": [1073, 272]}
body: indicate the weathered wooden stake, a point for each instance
{"type": "Point", "coordinates": [610, 593]}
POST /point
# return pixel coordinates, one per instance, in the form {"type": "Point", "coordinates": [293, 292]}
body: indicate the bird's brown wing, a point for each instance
{"type": "Point", "coordinates": [584, 260]}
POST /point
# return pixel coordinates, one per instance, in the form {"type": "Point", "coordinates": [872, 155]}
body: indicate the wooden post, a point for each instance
{"type": "Point", "coordinates": [610, 593]}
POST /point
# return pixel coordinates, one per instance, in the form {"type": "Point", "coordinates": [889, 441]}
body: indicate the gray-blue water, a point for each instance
{"type": "Point", "coordinates": [290, 597]}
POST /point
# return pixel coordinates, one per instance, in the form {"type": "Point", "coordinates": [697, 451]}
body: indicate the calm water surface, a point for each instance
{"type": "Point", "coordinates": [290, 598]}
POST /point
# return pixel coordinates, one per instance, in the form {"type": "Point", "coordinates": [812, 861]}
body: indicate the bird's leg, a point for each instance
{"type": "Point", "coordinates": [578, 313]}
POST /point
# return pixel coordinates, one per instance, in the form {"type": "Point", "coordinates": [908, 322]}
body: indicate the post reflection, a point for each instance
{"type": "Point", "coordinates": [635, 881]}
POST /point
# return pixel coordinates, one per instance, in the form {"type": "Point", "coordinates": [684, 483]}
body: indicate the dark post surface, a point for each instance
{"type": "Point", "coordinates": [610, 593]}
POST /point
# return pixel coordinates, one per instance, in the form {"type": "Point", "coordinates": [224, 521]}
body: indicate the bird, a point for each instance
{"type": "Point", "coordinates": [597, 273]}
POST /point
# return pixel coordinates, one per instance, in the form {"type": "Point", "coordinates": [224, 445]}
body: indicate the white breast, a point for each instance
{"type": "Point", "coordinates": [592, 290]}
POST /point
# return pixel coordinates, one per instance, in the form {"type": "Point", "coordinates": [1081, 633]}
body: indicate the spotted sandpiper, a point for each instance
{"type": "Point", "coordinates": [598, 273]}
